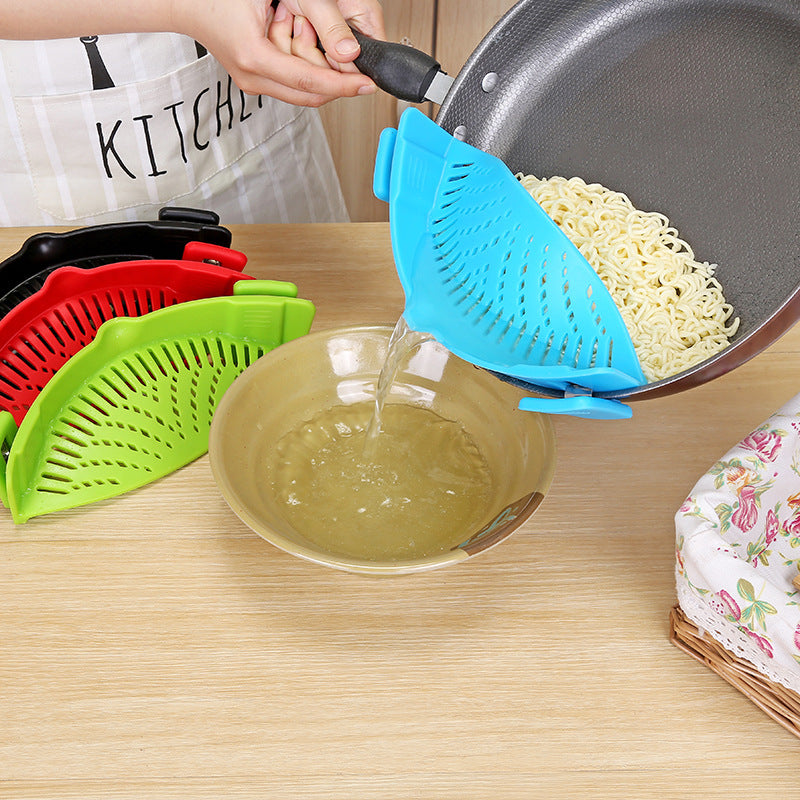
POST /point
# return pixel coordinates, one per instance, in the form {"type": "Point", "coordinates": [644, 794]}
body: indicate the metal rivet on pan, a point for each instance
{"type": "Point", "coordinates": [490, 81]}
{"type": "Point", "coordinates": [460, 133]}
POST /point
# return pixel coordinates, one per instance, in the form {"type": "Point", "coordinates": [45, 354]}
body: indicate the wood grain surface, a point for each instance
{"type": "Point", "coordinates": [152, 646]}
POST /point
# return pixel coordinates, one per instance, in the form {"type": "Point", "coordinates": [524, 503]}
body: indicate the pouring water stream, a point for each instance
{"type": "Point", "coordinates": [402, 342]}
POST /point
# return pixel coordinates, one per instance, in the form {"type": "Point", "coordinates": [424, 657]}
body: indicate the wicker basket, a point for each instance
{"type": "Point", "coordinates": [780, 703]}
{"type": "Point", "coordinates": [738, 564]}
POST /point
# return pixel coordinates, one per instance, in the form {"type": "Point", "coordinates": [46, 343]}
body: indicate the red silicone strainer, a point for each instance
{"type": "Point", "coordinates": [46, 329]}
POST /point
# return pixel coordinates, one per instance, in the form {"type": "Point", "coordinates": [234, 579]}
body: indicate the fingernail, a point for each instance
{"type": "Point", "coordinates": [281, 13]}
{"type": "Point", "coordinates": [347, 47]}
{"type": "Point", "coordinates": [369, 88]}
{"type": "Point", "coordinates": [298, 26]}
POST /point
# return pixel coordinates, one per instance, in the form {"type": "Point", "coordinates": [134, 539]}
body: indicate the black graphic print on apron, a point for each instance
{"type": "Point", "coordinates": [100, 77]}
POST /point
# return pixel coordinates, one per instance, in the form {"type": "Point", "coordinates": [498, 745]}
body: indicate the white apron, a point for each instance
{"type": "Point", "coordinates": [112, 128]}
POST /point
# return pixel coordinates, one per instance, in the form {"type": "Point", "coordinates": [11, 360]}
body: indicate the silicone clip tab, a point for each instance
{"type": "Point", "coordinates": [579, 406]}
{"type": "Point", "coordinates": [208, 253]}
{"type": "Point", "coordinates": [196, 216]}
{"type": "Point", "coordinates": [265, 287]}
{"type": "Point", "coordinates": [383, 164]}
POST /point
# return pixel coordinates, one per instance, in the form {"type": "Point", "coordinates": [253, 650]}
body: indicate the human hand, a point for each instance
{"type": "Point", "coordinates": [331, 21]}
{"type": "Point", "coordinates": [275, 52]}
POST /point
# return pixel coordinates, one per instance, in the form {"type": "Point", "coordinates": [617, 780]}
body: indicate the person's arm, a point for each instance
{"type": "Point", "coordinates": [286, 63]}
{"type": "Point", "coordinates": [54, 19]}
{"type": "Point", "coordinates": [247, 37]}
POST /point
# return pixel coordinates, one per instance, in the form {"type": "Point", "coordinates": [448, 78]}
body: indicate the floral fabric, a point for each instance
{"type": "Point", "coordinates": [738, 548]}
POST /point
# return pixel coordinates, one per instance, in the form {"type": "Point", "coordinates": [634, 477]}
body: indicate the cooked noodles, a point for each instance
{"type": "Point", "coordinates": [672, 305]}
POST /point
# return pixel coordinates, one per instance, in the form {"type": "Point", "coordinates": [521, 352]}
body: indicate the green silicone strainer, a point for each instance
{"type": "Point", "coordinates": [137, 403]}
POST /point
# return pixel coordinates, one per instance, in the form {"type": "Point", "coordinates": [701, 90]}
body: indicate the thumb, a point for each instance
{"type": "Point", "coordinates": [333, 31]}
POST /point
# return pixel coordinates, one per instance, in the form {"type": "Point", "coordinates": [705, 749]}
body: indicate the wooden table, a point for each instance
{"type": "Point", "coordinates": [152, 646]}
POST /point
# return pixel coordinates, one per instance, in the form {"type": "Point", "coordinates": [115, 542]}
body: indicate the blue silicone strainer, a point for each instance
{"type": "Point", "coordinates": [492, 277]}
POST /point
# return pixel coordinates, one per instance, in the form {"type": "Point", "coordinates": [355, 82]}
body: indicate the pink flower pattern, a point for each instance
{"type": "Point", "coordinates": [772, 527]}
{"type": "Point", "coordinates": [730, 603]}
{"type": "Point", "coordinates": [745, 517]}
{"type": "Point", "coordinates": [766, 443]}
{"type": "Point", "coordinates": [792, 525]}
{"type": "Point", "coordinates": [761, 641]}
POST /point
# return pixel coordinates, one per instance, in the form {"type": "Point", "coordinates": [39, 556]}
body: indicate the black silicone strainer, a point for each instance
{"type": "Point", "coordinates": [24, 273]}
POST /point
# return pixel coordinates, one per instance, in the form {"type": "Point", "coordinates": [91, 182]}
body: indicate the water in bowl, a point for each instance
{"type": "Point", "coordinates": [383, 480]}
{"type": "Point", "coordinates": [424, 482]}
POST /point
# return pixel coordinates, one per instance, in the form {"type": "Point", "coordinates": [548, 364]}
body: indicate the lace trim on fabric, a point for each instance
{"type": "Point", "coordinates": [731, 638]}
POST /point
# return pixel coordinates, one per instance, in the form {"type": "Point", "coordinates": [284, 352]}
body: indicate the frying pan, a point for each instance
{"type": "Point", "coordinates": [690, 107]}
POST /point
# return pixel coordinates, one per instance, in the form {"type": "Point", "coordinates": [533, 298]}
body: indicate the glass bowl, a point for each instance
{"type": "Point", "coordinates": [465, 467]}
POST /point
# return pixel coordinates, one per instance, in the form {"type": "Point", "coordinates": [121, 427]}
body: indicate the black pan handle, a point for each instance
{"type": "Point", "coordinates": [401, 70]}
